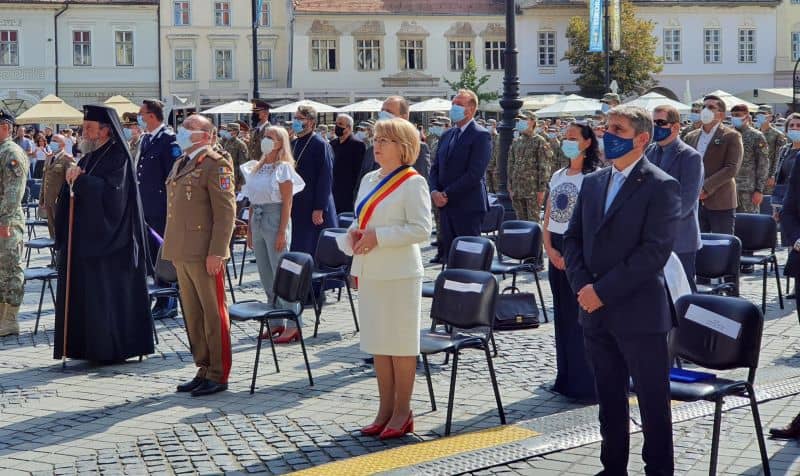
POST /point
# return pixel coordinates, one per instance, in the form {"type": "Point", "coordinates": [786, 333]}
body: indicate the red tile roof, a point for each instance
{"type": "Point", "coordinates": [412, 7]}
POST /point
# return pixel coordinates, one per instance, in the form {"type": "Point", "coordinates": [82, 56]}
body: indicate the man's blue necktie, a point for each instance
{"type": "Point", "coordinates": [453, 140]}
{"type": "Point", "coordinates": [617, 179]}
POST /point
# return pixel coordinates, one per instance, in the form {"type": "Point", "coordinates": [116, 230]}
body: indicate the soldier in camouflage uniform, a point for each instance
{"type": "Point", "coordinates": [775, 140]}
{"type": "Point", "coordinates": [559, 159]}
{"type": "Point", "coordinates": [261, 110]}
{"type": "Point", "coordinates": [529, 160]}
{"type": "Point", "coordinates": [237, 150]}
{"type": "Point", "coordinates": [13, 178]}
{"type": "Point", "coordinates": [694, 117]}
{"type": "Point", "coordinates": [492, 175]}
{"type": "Point", "coordinates": [751, 179]}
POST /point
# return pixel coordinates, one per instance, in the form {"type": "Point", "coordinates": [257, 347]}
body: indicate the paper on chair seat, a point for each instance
{"type": "Point", "coordinates": [516, 231]}
{"type": "Point", "coordinates": [715, 242]}
{"type": "Point", "coordinates": [469, 247]}
{"type": "Point", "coordinates": [462, 287]}
{"type": "Point", "coordinates": [246, 214]}
{"type": "Point", "coordinates": [334, 234]}
{"type": "Point", "coordinates": [291, 266]}
{"type": "Point", "coordinates": [714, 321]}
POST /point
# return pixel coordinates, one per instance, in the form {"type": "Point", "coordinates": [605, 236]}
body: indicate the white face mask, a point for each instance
{"type": "Point", "coordinates": [267, 145]}
{"type": "Point", "coordinates": [706, 116]}
{"type": "Point", "coordinates": [361, 135]}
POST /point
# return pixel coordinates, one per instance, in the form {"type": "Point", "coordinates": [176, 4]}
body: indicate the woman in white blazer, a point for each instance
{"type": "Point", "coordinates": [393, 216]}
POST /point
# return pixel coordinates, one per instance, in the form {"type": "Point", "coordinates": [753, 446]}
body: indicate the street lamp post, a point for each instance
{"type": "Point", "coordinates": [511, 104]}
{"type": "Point", "coordinates": [255, 14]}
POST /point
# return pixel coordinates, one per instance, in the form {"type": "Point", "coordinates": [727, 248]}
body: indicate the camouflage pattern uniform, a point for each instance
{"type": "Point", "coordinates": [492, 176]}
{"type": "Point", "coordinates": [14, 166]}
{"type": "Point", "coordinates": [559, 159]}
{"type": "Point", "coordinates": [752, 175]}
{"type": "Point", "coordinates": [687, 129]}
{"type": "Point", "coordinates": [529, 160]}
{"type": "Point", "coordinates": [238, 154]}
{"type": "Point", "coordinates": [775, 140]}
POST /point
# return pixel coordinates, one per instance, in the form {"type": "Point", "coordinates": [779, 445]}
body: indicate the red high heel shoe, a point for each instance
{"type": "Point", "coordinates": [275, 330]}
{"type": "Point", "coordinates": [391, 433]}
{"type": "Point", "coordinates": [288, 336]}
{"type": "Point", "coordinates": [374, 429]}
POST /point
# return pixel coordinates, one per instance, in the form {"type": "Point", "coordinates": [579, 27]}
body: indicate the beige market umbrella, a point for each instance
{"type": "Point", "coordinates": [529, 103]}
{"type": "Point", "coordinates": [651, 101]}
{"type": "Point", "coordinates": [51, 110]}
{"type": "Point", "coordinates": [291, 108]}
{"type": "Point", "coordinates": [367, 105]}
{"type": "Point", "coordinates": [730, 100]}
{"type": "Point", "coordinates": [572, 105]}
{"type": "Point", "coordinates": [431, 105]}
{"type": "Point", "coordinates": [233, 107]}
{"type": "Point", "coordinates": [121, 104]}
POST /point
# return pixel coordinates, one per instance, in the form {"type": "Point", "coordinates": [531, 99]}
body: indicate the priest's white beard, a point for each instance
{"type": "Point", "coordinates": [87, 146]}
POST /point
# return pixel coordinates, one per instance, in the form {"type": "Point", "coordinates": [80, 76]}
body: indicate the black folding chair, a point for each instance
{"type": "Point", "coordinates": [465, 301]}
{"type": "Point", "coordinates": [522, 241]}
{"type": "Point", "coordinates": [493, 220]}
{"type": "Point", "coordinates": [292, 284]}
{"type": "Point", "coordinates": [759, 233]}
{"type": "Point", "coordinates": [39, 244]}
{"type": "Point", "coordinates": [331, 264]}
{"type": "Point", "coordinates": [228, 264]}
{"type": "Point", "coordinates": [46, 276]}
{"type": "Point", "coordinates": [719, 258]}
{"type": "Point", "coordinates": [737, 345]}
{"type": "Point", "coordinates": [466, 252]}
{"type": "Point", "coordinates": [31, 224]}
{"type": "Point", "coordinates": [346, 219]}
{"type": "Point", "coordinates": [165, 285]}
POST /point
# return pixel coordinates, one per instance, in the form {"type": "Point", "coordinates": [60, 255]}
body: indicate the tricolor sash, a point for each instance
{"type": "Point", "coordinates": [385, 187]}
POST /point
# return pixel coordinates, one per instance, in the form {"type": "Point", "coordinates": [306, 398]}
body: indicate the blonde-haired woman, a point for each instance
{"type": "Point", "coordinates": [393, 216]}
{"type": "Point", "coordinates": [270, 184]}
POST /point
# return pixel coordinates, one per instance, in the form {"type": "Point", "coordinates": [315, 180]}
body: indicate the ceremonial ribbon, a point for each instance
{"type": "Point", "coordinates": [385, 187]}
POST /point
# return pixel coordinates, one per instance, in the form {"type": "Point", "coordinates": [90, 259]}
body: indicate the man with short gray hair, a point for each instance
{"type": "Point", "coordinates": [348, 153]}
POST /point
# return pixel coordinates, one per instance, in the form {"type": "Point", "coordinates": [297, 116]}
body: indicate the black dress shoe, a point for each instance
{"type": "Point", "coordinates": [790, 296]}
{"type": "Point", "coordinates": [790, 432]}
{"type": "Point", "coordinates": [165, 313]}
{"type": "Point", "coordinates": [190, 385]}
{"type": "Point", "coordinates": [208, 387]}
{"type": "Point", "coordinates": [436, 260]}
{"type": "Point", "coordinates": [748, 269]}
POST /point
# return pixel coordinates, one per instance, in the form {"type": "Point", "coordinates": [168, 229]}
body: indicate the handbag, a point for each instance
{"type": "Point", "coordinates": [516, 311]}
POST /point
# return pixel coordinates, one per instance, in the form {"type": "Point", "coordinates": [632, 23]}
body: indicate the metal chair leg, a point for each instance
{"type": "Point", "coordinates": [241, 268]}
{"type": "Point", "coordinates": [272, 345]}
{"type": "Point", "coordinates": [233, 262]}
{"type": "Point", "coordinates": [430, 382]}
{"type": "Point", "coordinates": [305, 354]}
{"type": "Point", "coordinates": [764, 290]}
{"type": "Point", "coordinates": [39, 311]}
{"type": "Point", "coordinates": [762, 446]}
{"type": "Point", "coordinates": [778, 281]}
{"type": "Point", "coordinates": [494, 386]}
{"type": "Point", "coordinates": [230, 283]}
{"type": "Point", "coordinates": [494, 344]}
{"type": "Point", "coordinates": [712, 470]}
{"type": "Point", "coordinates": [317, 310]}
{"type": "Point", "coordinates": [352, 306]}
{"type": "Point", "coordinates": [541, 296]}
{"type": "Point", "coordinates": [452, 395]}
{"type": "Point", "coordinates": [258, 354]}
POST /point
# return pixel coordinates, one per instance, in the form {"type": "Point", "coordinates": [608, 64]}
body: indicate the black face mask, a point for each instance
{"type": "Point", "coordinates": [339, 131]}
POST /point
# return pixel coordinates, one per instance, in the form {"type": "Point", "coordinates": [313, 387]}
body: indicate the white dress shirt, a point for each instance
{"type": "Point", "coordinates": [705, 139]}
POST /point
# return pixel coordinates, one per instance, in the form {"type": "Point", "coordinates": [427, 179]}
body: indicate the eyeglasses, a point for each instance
{"type": "Point", "coordinates": [663, 122]}
{"type": "Point", "coordinates": [383, 141]}
{"type": "Point", "coordinates": [711, 107]}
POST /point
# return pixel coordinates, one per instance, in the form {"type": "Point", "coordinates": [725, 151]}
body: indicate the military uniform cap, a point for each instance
{"type": "Point", "coordinates": [610, 97]}
{"type": "Point", "coordinates": [697, 104]}
{"type": "Point", "coordinates": [129, 119]}
{"type": "Point", "coordinates": [260, 105]}
{"type": "Point", "coordinates": [492, 121]}
{"type": "Point", "coordinates": [528, 115]}
{"type": "Point", "coordinates": [243, 125]}
{"type": "Point", "coordinates": [765, 108]}
{"type": "Point", "coordinates": [234, 127]}
{"type": "Point", "coordinates": [6, 116]}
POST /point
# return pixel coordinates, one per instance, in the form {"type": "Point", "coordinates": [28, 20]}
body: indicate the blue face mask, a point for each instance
{"type": "Point", "coordinates": [184, 138]}
{"type": "Point", "coordinates": [694, 116]}
{"type": "Point", "coordinates": [570, 148]}
{"type": "Point", "coordinates": [605, 107]}
{"type": "Point", "coordinates": [436, 130]}
{"type": "Point", "coordinates": [297, 126]}
{"type": "Point", "coordinates": [793, 135]}
{"type": "Point", "coordinates": [127, 133]}
{"type": "Point", "coordinates": [661, 133]}
{"type": "Point", "coordinates": [737, 122]}
{"type": "Point", "coordinates": [760, 119]}
{"type": "Point", "coordinates": [225, 135]}
{"type": "Point", "coordinates": [551, 135]}
{"type": "Point", "coordinates": [457, 113]}
{"type": "Point", "coordinates": [616, 146]}
{"type": "Point", "coordinates": [54, 147]}
{"type": "Point", "coordinates": [385, 116]}
{"type": "Point", "coordinates": [140, 121]}
{"type": "Point", "coordinates": [521, 126]}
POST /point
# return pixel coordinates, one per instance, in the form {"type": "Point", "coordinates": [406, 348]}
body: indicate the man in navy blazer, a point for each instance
{"type": "Point", "coordinates": [457, 183]}
{"type": "Point", "coordinates": [617, 243]}
{"type": "Point", "coordinates": [154, 160]}
{"type": "Point", "coordinates": [685, 165]}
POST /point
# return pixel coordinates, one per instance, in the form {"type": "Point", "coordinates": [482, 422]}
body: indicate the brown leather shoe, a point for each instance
{"type": "Point", "coordinates": [790, 432]}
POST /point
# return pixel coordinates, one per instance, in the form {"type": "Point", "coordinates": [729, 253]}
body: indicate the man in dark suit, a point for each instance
{"type": "Point", "coordinates": [458, 172]}
{"type": "Point", "coordinates": [721, 149]}
{"type": "Point", "coordinates": [154, 160]}
{"type": "Point", "coordinates": [684, 164]}
{"type": "Point", "coordinates": [618, 241]}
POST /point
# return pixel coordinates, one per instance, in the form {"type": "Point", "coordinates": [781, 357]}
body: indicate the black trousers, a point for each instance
{"type": "Point", "coordinates": [645, 358]}
{"type": "Point", "coordinates": [457, 223]}
{"type": "Point", "coordinates": [716, 221]}
{"type": "Point", "coordinates": [688, 262]}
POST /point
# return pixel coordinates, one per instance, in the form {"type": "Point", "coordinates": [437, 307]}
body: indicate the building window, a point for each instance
{"type": "Point", "coordinates": [672, 45]}
{"type": "Point", "coordinates": [747, 45]}
{"type": "Point", "coordinates": [183, 65]}
{"type": "Point", "coordinates": [123, 46]}
{"type": "Point", "coordinates": [82, 48]}
{"type": "Point", "coordinates": [222, 13]}
{"type": "Point", "coordinates": [264, 64]}
{"type": "Point", "coordinates": [412, 54]}
{"type": "Point", "coordinates": [223, 64]}
{"type": "Point", "coordinates": [368, 54]}
{"type": "Point", "coordinates": [181, 10]}
{"type": "Point", "coordinates": [460, 53]}
{"type": "Point", "coordinates": [9, 48]}
{"type": "Point", "coordinates": [323, 55]}
{"type": "Point", "coordinates": [265, 15]}
{"type": "Point", "coordinates": [711, 45]}
{"type": "Point", "coordinates": [795, 2]}
{"type": "Point", "coordinates": [795, 45]}
{"type": "Point", "coordinates": [547, 48]}
{"type": "Point", "coordinates": [494, 57]}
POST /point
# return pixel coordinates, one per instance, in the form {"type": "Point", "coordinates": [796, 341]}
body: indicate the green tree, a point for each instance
{"type": "Point", "coordinates": [469, 80]}
{"type": "Point", "coordinates": [633, 66]}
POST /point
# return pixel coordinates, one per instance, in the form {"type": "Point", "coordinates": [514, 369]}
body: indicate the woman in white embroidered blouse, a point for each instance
{"type": "Point", "coordinates": [270, 184]}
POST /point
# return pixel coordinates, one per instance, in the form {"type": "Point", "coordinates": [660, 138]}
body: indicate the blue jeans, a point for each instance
{"type": "Point", "coordinates": [264, 223]}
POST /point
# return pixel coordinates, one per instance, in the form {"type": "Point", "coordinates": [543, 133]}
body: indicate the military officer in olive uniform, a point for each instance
{"type": "Point", "coordinates": [261, 114]}
{"type": "Point", "coordinates": [54, 174]}
{"type": "Point", "coordinates": [492, 176]}
{"type": "Point", "coordinates": [751, 180]}
{"type": "Point", "coordinates": [237, 150]}
{"type": "Point", "coordinates": [132, 134]}
{"type": "Point", "coordinates": [529, 160]}
{"type": "Point", "coordinates": [559, 159]}
{"type": "Point", "coordinates": [775, 140]}
{"type": "Point", "coordinates": [201, 210]}
{"type": "Point", "coordinates": [13, 178]}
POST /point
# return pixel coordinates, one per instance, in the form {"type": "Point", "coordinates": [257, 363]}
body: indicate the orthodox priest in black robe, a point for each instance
{"type": "Point", "coordinates": [109, 308]}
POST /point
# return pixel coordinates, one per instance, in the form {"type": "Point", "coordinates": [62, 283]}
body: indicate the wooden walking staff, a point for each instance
{"type": "Point", "coordinates": [69, 272]}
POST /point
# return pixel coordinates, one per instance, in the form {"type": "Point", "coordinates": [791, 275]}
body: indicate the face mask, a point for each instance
{"type": "Point", "coordinates": [267, 145]}
{"type": "Point", "coordinates": [694, 116]}
{"type": "Point", "coordinates": [570, 148]}
{"type": "Point", "coordinates": [360, 135]}
{"type": "Point", "coordinates": [436, 130]}
{"type": "Point", "coordinates": [55, 147]}
{"type": "Point", "coordinates": [707, 116]}
{"type": "Point", "coordinates": [605, 107]}
{"type": "Point", "coordinates": [737, 122]}
{"type": "Point", "coordinates": [184, 138]}
{"type": "Point", "coordinates": [661, 133]}
{"type": "Point", "coordinates": [339, 131]}
{"type": "Point", "coordinates": [140, 121]}
{"type": "Point", "coordinates": [127, 134]}
{"type": "Point", "coordinates": [385, 116]}
{"type": "Point", "coordinates": [297, 126]}
{"type": "Point", "coordinates": [616, 146]}
{"type": "Point", "coordinates": [225, 135]}
{"type": "Point", "coordinates": [760, 119]}
{"type": "Point", "coordinates": [521, 126]}
{"type": "Point", "coordinates": [793, 135]}
{"type": "Point", "coordinates": [551, 135]}
{"type": "Point", "coordinates": [457, 113]}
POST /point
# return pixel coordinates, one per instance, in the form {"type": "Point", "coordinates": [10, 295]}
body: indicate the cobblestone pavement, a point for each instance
{"type": "Point", "coordinates": [126, 419]}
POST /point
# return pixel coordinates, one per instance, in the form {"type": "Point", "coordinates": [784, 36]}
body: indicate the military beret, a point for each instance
{"type": "Point", "coordinates": [6, 116]}
{"type": "Point", "coordinates": [740, 108]}
{"type": "Point", "coordinates": [260, 105]}
{"type": "Point", "coordinates": [234, 127]}
{"type": "Point", "coordinates": [529, 115]}
{"type": "Point", "coordinates": [697, 105]}
{"type": "Point", "coordinates": [765, 108]}
{"type": "Point", "coordinates": [610, 97]}
{"type": "Point", "coordinates": [444, 120]}
{"type": "Point", "coordinates": [243, 125]}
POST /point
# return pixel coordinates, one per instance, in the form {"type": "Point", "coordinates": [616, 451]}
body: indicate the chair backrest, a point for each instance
{"type": "Point", "coordinates": [464, 298]}
{"type": "Point", "coordinates": [293, 276]}
{"type": "Point", "coordinates": [328, 254]}
{"type": "Point", "coordinates": [757, 232]}
{"type": "Point", "coordinates": [718, 332]}
{"type": "Point", "coordinates": [493, 219]}
{"type": "Point", "coordinates": [519, 239]}
{"type": "Point", "coordinates": [719, 256]}
{"type": "Point", "coordinates": [346, 219]}
{"type": "Point", "coordinates": [766, 206]}
{"type": "Point", "coordinates": [165, 270]}
{"type": "Point", "coordinates": [471, 252]}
